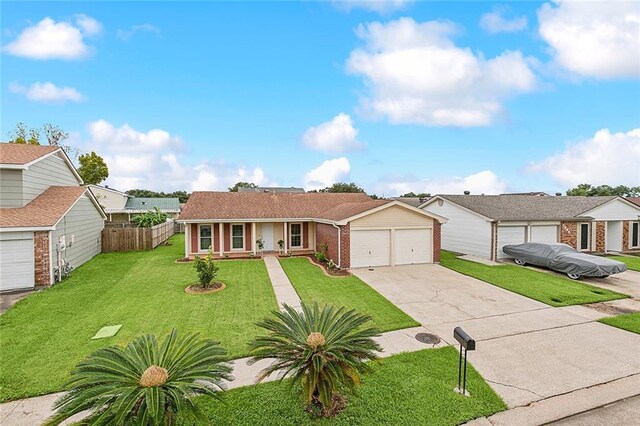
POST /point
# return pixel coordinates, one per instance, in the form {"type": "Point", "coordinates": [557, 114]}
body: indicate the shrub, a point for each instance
{"type": "Point", "coordinates": [145, 383]}
{"type": "Point", "coordinates": [151, 218]}
{"type": "Point", "coordinates": [206, 269]}
{"type": "Point", "coordinates": [320, 257]}
{"type": "Point", "coordinates": [324, 349]}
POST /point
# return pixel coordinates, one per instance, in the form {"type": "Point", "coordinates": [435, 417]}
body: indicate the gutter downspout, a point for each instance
{"type": "Point", "coordinates": [339, 256]}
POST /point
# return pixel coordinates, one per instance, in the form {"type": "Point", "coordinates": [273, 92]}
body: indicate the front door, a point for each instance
{"type": "Point", "coordinates": [267, 236]}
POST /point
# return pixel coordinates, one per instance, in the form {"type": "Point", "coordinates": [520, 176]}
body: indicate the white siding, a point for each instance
{"type": "Point", "coordinates": [465, 232]}
{"type": "Point", "coordinates": [17, 270]}
{"type": "Point", "coordinates": [83, 225]}
{"type": "Point", "coordinates": [52, 171]}
{"type": "Point", "coordinates": [11, 188]}
{"type": "Point", "coordinates": [614, 210]}
{"type": "Point", "coordinates": [109, 199]}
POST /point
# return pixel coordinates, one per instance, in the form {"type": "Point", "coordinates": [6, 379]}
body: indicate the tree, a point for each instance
{"type": "Point", "coordinates": [53, 133]}
{"type": "Point", "coordinates": [324, 349]}
{"type": "Point", "coordinates": [93, 169]}
{"type": "Point", "coordinates": [24, 135]}
{"type": "Point", "coordinates": [418, 195]}
{"type": "Point", "coordinates": [235, 187]}
{"type": "Point", "coordinates": [182, 196]}
{"type": "Point", "coordinates": [586, 189]}
{"type": "Point", "coordinates": [145, 383]}
{"type": "Point", "coordinates": [342, 187]}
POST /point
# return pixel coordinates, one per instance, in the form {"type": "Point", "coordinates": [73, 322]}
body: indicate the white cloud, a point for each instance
{"type": "Point", "coordinates": [495, 22]}
{"type": "Point", "coordinates": [484, 182]}
{"type": "Point", "coordinates": [416, 74]}
{"type": "Point", "coordinates": [153, 160]}
{"type": "Point", "coordinates": [379, 6]}
{"type": "Point", "coordinates": [606, 158]}
{"type": "Point", "coordinates": [47, 92]}
{"type": "Point", "coordinates": [125, 35]}
{"type": "Point", "coordinates": [327, 173]}
{"type": "Point", "coordinates": [594, 39]}
{"type": "Point", "coordinates": [337, 135]}
{"type": "Point", "coordinates": [49, 39]}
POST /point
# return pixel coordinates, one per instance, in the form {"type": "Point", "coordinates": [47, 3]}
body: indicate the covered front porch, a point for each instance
{"type": "Point", "coordinates": [243, 239]}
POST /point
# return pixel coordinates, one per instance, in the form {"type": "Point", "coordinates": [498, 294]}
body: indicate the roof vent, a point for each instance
{"type": "Point", "coordinates": [558, 194]}
{"type": "Point", "coordinates": [467, 192]}
{"type": "Point", "coordinates": [106, 186]}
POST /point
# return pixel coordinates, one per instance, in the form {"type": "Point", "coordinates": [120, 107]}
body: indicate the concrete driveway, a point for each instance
{"type": "Point", "coordinates": [527, 351]}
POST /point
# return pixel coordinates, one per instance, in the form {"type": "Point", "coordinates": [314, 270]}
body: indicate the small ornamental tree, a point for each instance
{"type": "Point", "coordinates": [207, 271]}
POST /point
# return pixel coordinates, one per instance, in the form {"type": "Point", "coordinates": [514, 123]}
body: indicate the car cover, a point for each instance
{"type": "Point", "coordinates": [563, 258]}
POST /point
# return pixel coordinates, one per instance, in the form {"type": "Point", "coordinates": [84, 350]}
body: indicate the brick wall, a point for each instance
{"type": "Point", "coordinates": [329, 235]}
{"type": "Point", "coordinates": [437, 231]}
{"type": "Point", "coordinates": [494, 241]}
{"type": "Point", "coordinates": [625, 235]}
{"type": "Point", "coordinates": [569, 233]}
{"type": "Point", "coordinates": [345, 246]}
{"type": "Point", "coordinates": [41, 254]}
{"type": "Point", "coordinates": [600, 237]}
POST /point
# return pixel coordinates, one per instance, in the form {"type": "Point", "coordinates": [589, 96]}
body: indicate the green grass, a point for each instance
{"type": "Point", "coordinates": [43, 336]}
{"type": "Point", "coordinates": [408, 389]}
{"type": "Point", "coordinates": [629, 322]}
{"type": "Point", "coordinates": [546, 288]}
{"type": "Point", "coordinates": [313, 285]}
{"type": "Point", "coordinates": [633, 262]}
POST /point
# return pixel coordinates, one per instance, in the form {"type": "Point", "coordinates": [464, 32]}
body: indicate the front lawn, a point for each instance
{"type": "Point", "coordinates": [546, 288]}
{"type": "Point", "coordinates": [633, 262]}
{"type": "Point", "coordinates": [313, 285]}
{"type": "Point", "coordinates": [408, 389]}
{"type": "Point", "coordinates": [629, 322]}
{"type": "Point", "coordinates": [46, 334]}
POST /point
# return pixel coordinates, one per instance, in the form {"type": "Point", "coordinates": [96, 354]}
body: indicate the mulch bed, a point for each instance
{"type": "Point", "coordinates": [197, 289]}
{"type": "Point", "coordinates": [327, 271]}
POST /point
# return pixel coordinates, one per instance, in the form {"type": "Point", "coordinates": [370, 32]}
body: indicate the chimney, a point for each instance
{"type": "Point", "coordinates": [467, 192]}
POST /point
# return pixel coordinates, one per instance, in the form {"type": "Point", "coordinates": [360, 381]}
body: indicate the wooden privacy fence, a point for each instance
{"type": "Point", "coordinates": [135, 239]}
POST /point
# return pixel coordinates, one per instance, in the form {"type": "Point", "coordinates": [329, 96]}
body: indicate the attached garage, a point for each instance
{"type": "Point", "coordinates": [413, 246]}
{"type": "Point", "coordinates": [370, 248]}
{"type": "Point", "coordinates": [544, 234]}
{"type": "Point", "coordinates": [16, 261]}
{"type": "Point", "coordinates": [510, 235]}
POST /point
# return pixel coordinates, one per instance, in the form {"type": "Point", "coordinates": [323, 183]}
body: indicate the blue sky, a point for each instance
{"type": "Point", "coordinates": [396, 96]}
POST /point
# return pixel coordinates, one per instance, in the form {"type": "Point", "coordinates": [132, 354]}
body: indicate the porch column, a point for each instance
{"type": "Point", "coordinates": [187, 239]}
{"type": "Point", "coordinates": [221, 237]}
{"type": "Point", "coordinates": [285, 239]}
{"type": "Point", "coordinates": [254, 237]}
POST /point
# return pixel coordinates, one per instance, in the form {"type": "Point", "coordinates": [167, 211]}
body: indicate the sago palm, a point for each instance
{"type": "Point", "coordinates": [144, 383]}
{"type": "Point", "coordinates": [324, 349]}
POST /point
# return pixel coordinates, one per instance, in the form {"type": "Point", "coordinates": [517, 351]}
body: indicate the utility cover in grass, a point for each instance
{"type": "Point", "coordinates": [107, 331]}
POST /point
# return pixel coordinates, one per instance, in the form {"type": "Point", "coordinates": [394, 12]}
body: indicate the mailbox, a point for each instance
{"type": "Point", "coordinates": [464, 339]}
{"type": "Point", "coordinates": [467, 343]}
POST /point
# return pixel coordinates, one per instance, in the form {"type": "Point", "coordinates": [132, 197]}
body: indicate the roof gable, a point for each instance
{"type": "Point", "coordinates": [16, 154]}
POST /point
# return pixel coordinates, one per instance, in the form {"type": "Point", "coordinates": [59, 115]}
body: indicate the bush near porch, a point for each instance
{"type": "Point", "coordinates": [45, 335]}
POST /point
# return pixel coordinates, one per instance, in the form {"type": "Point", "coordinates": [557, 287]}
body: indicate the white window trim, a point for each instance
{"type": "Point", "coordinates": [244, 234]}
{"type": "Point", "coordinates": [206, 249]}
{"type": "Point", "coordinates": [301, 235]}
{"type": "Point", "coordinates": [579, 239]}
{"type": "Point", "coordinates": [631, 246]}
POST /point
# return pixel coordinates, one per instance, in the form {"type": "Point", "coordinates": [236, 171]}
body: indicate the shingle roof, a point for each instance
{"type": "Point", "coordinates": [43, 211]}
{"type": "Point", "coordinates": [261, 205]}
{"type": "Point", "coordinates": [412, 201]}
{"type": "Point", "coordinates": [634, 200]}
{"type": "Point", "coordinates": [272, 189]}
{"type": "Point", "coordinates": [147, 203]}
{"type": "Point", "coordinates": [21, 154]}
{"type": "Point", "coordinates": [527, 207]}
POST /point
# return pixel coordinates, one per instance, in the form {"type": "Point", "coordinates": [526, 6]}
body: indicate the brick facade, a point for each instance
{"type": "Point", "coordinates": [327, 234]}
{"type": "Point", "coordinates": [345, 246]}
{"type": "Point", "coordinates": [600, 237]}
{"type": "Point", "coordinates": [437, 233]}
{"type": "Point", "coordinates": [569, 233]}
{"type": "Point", "coordinates": [625, 235]}
{"type": "Point", "coordinates": [41, 249]}
{"type": "Point", "coordinates": [494, 241]}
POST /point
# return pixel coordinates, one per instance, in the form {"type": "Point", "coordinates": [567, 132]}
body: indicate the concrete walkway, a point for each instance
{"type": "Point", "coordinates": [284, 290]}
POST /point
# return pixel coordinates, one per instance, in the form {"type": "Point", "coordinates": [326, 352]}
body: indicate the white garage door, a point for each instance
{"type": "Point", "coordinates": [412, 246]}
{"type": "Point", "coordinates": [509, 235]}
{"type": "Point", "coordinates": [370, 248]}
{"type": "Point", "coordinates": [16, 263]}
{"type": "Point", "coordinates": [544, 234]}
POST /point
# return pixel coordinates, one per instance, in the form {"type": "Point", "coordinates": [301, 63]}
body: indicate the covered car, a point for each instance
{"type": "Point", "coordinates": [564, 258]}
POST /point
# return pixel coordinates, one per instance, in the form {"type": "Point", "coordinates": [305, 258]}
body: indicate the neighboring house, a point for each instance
{"type": "Point", "coordinates": [412, 201]}
{"type": "Point", "coordinates": [634, 200]}
{"type": "Point", "coordinates": [120, 207]}
{"type": "Point", "coordinates": [534, 194]}
{"type": "Point", "coordinates": [272, 189]}
{"type": "Point", "coordinates": [481, 225]}
{"type": "Point", "coordinates": [358, 231]}
{"type": "Point", "coordinates": [46, 217]}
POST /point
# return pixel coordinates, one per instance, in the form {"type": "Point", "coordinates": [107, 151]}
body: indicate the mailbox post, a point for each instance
{"type": "Point", "coordinates": [468, 344]}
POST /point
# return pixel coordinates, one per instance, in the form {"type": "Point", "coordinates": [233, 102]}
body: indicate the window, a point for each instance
{"type": "Point", "coordinates": [296, 235]}
{"type": "Point", "coordinates": [237, 237]}
{"type": "Point", "coordinates": [635, 234]}
{"type": "Point", "coordinates": [205, 237]}
{"type": "Point", "coordinates": [584, 236]}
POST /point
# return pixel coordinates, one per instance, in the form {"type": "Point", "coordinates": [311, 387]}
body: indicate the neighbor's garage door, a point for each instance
{"type": "Point", "coordinates": [412, 246]}
{"type": "Point", "coordinates": [370, 248]}
{"type": "Point", "coordinates": [16, 261]}
{"type": "Point", "coordinates": [544, 234]}
{"type": "Point", "coordinates": [510, 235]}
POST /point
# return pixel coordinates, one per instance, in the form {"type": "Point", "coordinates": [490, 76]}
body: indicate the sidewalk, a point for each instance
{"type": "Point", "coordinates": [282, 287]}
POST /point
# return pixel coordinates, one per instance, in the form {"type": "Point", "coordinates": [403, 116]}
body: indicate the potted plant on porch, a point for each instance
{"type": "Point", "coordinates": [281, 245]}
